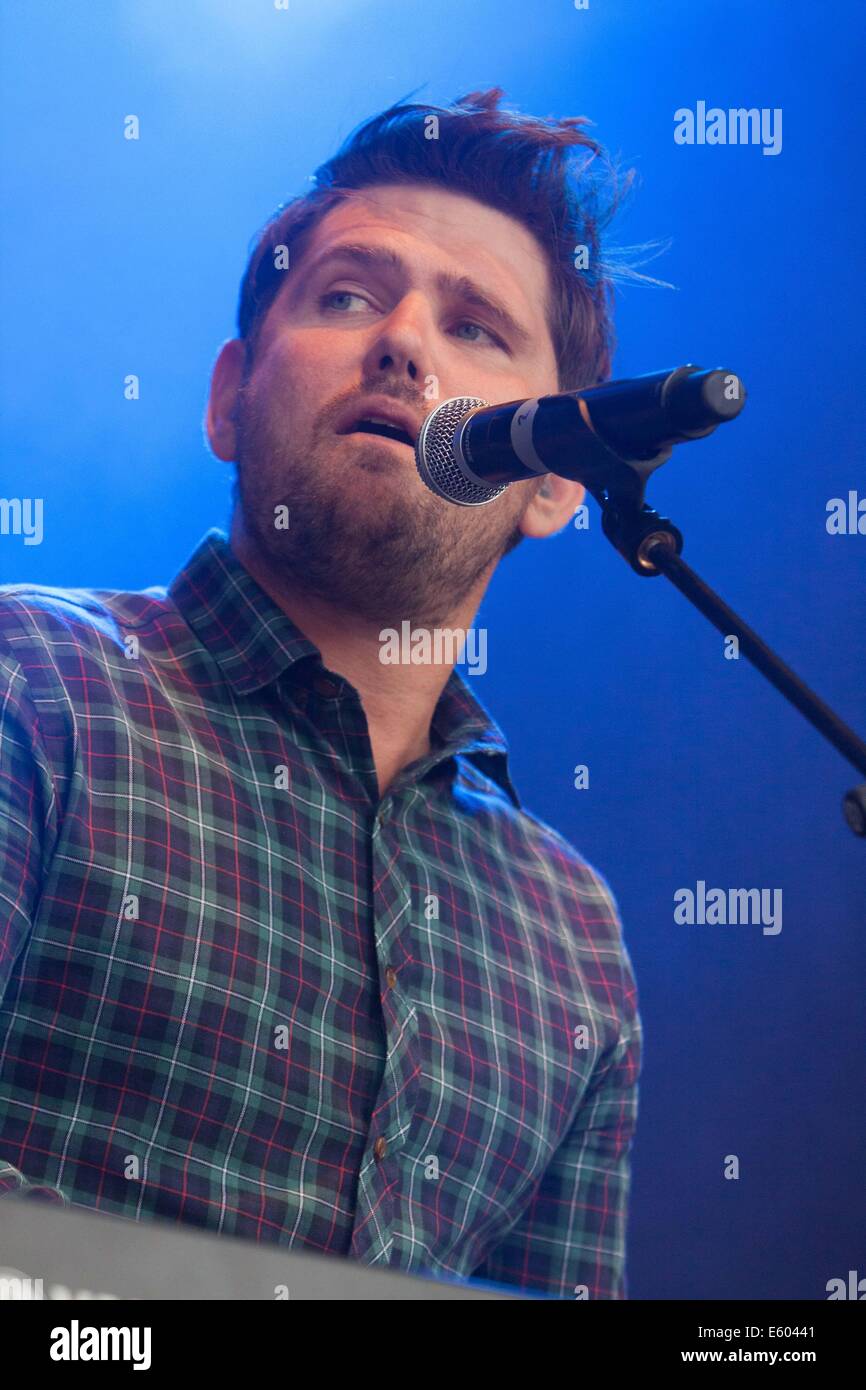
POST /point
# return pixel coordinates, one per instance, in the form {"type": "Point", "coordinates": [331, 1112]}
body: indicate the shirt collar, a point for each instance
{"type": "Point", "coordinates": [255, 642]}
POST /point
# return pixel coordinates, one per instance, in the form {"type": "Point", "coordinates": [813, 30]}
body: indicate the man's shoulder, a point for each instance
{"type": "Point", "coordinates": [589, 884]}
{"type": "Point", "coordinates": [34, 617]}
{"type": "Point", "coordinates": [590, 911]}
{"type": "Point", "coordinates": [531, 845]}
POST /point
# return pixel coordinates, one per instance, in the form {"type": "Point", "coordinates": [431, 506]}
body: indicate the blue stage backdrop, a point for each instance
{"type": "Point", "coordinates": [124, 257]}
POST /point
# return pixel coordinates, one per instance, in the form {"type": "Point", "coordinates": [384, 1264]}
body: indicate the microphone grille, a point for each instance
{"type": "Point", "coordinates": [436, 456]}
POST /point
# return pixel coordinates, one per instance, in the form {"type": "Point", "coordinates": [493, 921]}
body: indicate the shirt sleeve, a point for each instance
{"type": "Point", "coordinates": [27, 826]}
{"type": "Point", "coordinates": [570, 1241]}
{"type": "Point", "coordinates": [28, 814]}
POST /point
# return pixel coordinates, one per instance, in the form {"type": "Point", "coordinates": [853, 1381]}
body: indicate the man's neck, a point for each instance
{"type": "Point", "coordinates": [398, 700]}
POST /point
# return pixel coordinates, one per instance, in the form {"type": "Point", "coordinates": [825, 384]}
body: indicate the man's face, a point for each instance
{"type": "Point", "coordinates": [364, 532]}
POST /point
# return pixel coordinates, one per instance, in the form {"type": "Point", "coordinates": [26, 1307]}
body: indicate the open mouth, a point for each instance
{"type": "Point", "coordinates": [381, 428]}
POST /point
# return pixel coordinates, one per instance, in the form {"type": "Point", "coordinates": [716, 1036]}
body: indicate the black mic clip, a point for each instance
{"type": "Point", "coordinates": [629, 523]}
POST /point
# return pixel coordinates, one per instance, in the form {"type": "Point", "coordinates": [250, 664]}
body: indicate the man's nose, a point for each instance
{"type": "Point", "coordinates": [402, 342]}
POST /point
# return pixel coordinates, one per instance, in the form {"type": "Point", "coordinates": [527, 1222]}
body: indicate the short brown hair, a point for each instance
{"type": "Point", "coordinates": [522, 165]}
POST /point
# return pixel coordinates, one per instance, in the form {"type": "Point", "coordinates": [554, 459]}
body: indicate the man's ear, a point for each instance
{"type": "Point", "coordinates": [553, 504]}
{"type": "Point", "coordinates": [221, 413]}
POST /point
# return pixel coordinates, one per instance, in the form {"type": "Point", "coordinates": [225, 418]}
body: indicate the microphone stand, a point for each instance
{"type": "Point", "coordinates": [652, 545]}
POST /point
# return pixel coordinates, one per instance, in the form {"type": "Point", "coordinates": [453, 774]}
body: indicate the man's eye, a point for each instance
{"type": "Point", "coordinates": [470, 323]}
{"type": "Point", "coordinates": [336, 294]}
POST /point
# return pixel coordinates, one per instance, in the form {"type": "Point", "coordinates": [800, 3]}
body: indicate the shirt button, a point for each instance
{"type": "Point", "coordinates": [390, 977]}
{"type": "Point", "coordinates": [380, 1148]}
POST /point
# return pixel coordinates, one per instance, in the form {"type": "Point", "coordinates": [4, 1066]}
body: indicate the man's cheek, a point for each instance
{"type": "Point", "coordinates": [305, 385]}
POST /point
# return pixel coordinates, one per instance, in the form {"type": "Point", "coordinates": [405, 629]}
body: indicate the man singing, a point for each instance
{"type": "Point", "coordinates": [282, 955]}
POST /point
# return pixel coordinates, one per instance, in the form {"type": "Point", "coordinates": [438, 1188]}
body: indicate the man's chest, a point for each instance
{"type": "Point", "coordinates": [237, 962]}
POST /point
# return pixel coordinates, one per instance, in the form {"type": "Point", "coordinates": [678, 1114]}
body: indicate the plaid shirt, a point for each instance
{"type": "Point", "coordinates": [240, 990]}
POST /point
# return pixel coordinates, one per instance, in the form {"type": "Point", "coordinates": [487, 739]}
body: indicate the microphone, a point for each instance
{"type": "Point", "coordinates": [608, 437]}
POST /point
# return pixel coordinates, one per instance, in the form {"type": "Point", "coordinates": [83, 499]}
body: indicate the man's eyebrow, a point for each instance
{"type": "Point", "coordinates": [458, 286]}
{"type": "Point", "coordinates": [462, 287]}
{"type": "Point", "coordinates": [379, 257]}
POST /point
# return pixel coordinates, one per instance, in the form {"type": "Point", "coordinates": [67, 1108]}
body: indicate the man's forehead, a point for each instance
{"type": "Point", "coordinates": [461, 229]}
